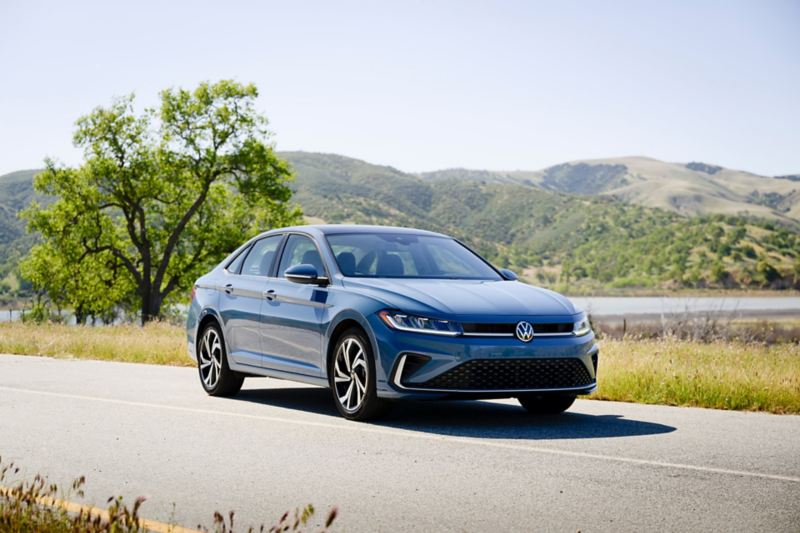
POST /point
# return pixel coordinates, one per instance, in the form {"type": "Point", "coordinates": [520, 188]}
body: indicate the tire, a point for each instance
{"type": "Point", "coordinates": [351, 376]}
{"type": "Point", "coordinates": [216, 377]}
{"type": "Point", "coordinates": [546, 404]}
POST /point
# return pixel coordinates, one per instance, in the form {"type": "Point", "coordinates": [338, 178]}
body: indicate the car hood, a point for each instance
{"type": "Point", "coordinates": [463, 298]}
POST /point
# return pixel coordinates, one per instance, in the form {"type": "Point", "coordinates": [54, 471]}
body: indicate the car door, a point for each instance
{"type": "Point", "coordinates": [292, 315]}
{"type": "Point", "coordinates": [241, 298]}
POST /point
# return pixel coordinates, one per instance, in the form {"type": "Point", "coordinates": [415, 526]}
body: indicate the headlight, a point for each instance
{"type": "Point", "coordinates": [582, 327]}
{"type": "Point", "coordinates": [420, 324]}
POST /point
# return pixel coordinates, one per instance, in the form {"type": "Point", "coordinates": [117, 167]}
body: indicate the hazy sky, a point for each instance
{"type": "Point", "coordinates": [427, 85]}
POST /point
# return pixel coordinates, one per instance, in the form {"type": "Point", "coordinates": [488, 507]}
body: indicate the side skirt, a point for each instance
{"type": "Point", "coordinates": [278, 374]}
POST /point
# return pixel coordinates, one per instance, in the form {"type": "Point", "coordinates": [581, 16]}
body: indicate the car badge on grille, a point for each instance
{"type": "Point", "coordinates": [524, 331]}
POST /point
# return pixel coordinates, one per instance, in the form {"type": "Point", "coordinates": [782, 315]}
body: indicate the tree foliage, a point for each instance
{"type": "Point", "coordinates": [161, 195]}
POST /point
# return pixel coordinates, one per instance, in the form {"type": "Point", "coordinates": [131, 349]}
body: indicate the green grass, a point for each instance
{"type": "Point", "coordinates": [719, 375]}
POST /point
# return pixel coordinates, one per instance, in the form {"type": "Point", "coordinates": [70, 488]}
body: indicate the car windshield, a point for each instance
{"type": "Point", "coordinates": [382, 255]}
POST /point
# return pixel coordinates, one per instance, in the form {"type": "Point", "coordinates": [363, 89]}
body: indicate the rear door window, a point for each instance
{"type": "Point", "coordinates": [262, 255]}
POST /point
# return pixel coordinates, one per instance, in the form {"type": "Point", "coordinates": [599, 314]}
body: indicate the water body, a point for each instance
{"type": "Point", "coordinates": [604, 306]}
{"type": "Point", "coordinates": [13, 315]}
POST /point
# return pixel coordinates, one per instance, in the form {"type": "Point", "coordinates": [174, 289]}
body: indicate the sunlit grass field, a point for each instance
{"type": "Point", "coordinates": [157, 343]}
{"type": "Point", "coordinates": [719, 375]}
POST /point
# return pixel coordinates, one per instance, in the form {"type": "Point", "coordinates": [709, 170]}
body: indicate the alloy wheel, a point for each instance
{"type": "Point", "coordinates": [210, 358]}
{"type": "Point", "coordinates": [351, 373]}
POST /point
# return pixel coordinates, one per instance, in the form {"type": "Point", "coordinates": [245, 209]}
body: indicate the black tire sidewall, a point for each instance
{"type": "Point", "coordinates": [546, 404]}
{"type": "Point", "coordinates": [372, 405]}
{"type": "Point", "coordinates": [229, 382]}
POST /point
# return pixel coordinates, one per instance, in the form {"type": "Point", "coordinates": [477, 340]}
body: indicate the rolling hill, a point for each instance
{"type": "Point", "coordinates": [689, 189]}
{"type": "Point", "coordinates": [577, 227]}
{"type": "Point", "coordinates": [557, 239]}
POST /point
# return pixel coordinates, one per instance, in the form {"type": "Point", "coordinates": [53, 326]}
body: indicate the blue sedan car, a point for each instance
{"type": "Point", "coordinates": [380, 313]}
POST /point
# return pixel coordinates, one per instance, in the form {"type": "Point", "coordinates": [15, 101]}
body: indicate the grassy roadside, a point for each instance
{"type": "Point", "coordinates": [37, 505]}
{"type": "Point", "coordinates": [719, 375]}
{"type": "Point", "coordinates": [157, 343]}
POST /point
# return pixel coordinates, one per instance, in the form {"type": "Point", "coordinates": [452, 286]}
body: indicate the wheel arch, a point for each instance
{"type": "Point", "coordinates": [208, 316]}
{"type": "Point", "coordinates": [344, 321]}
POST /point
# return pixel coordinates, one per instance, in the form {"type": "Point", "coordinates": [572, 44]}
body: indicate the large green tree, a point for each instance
{"type": "Point", "coordinates": [161, 195]}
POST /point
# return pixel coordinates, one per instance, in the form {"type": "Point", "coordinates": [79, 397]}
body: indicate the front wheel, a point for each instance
{"type": "Point", "coordinates": [212, 362]}
{"type": "Point", "coordinates": [546, 404]}
{"type": "Point", "coordinates": [352, 378]}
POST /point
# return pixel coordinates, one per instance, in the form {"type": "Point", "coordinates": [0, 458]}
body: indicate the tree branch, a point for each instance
{"type": "Point", "coordinates": [176, 233]}
{"type": "Point", "coordinates": [174, 280]}
{"type": "Point", "coordinates": [114, 251]}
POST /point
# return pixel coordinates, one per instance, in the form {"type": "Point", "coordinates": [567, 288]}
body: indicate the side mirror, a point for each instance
{"type": "Point", "coordinates": [306, 274]}
{"type": "Point", "coordinates": [508, 275]}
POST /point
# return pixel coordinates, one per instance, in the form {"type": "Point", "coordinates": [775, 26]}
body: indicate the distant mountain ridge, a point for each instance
{"type": "Point", "coordinates": [558, 239]}
{"type": "Point", "coordinates": [576, 226]}
{"type": "Point", "coordinates": [693, 188]}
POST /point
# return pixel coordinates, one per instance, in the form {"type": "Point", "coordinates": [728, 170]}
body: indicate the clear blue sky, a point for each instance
{"type": "Point", "coordinates": [428, 85]}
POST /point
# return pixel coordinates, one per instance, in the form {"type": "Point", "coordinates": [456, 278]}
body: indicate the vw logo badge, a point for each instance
{"type": "Point", "coordinates": [524, 331]}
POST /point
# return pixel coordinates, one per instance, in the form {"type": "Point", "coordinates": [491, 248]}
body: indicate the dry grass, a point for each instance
{"type": "Point", "coordinates": [718, 374]}
{"type": "Point", "coordinates": [38, 506]}
{"type": "Point", "coordinates": [705, 328]}
{"type": "Point", "coordinates": [157, 343]}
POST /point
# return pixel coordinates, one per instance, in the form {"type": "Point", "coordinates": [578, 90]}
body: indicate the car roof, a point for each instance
{"type": "Point", "coordinates": [333, 229]}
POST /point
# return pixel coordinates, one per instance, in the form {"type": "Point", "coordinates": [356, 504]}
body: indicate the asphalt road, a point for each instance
{"type": "Point", "coordinates": [150, 431]}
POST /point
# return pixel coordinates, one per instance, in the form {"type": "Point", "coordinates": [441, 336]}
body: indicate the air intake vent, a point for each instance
{"type": "Point", "coordinates": [560, 327]}
{"type": "Point", "coordinates": [411, 363]}
{"type": "Point", "coordinates": [488, 329]}
{"type": "Point", "coordinates": [513, 374]}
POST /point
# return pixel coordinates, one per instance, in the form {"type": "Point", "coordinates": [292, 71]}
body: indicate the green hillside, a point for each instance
{"type": "Point", "coordinates": [574, 242]}
{"type": "Point", "coordinates": [16, 191]}
{"type": "Point", "coordinates": [693, 188]}
{"type": "Point", "coordinates": [555, 239]}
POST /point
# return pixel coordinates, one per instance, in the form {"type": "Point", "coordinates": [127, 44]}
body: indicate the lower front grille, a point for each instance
{"type": "Point", "coordinates": [512, 374]}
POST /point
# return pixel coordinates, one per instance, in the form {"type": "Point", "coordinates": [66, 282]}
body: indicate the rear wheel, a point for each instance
{"type": "Point", "coordinates": [546, 404]}
{"type": "Point", "coordinates": [352, 378]}
{"type": "Point", "coordinates": [212, 362]}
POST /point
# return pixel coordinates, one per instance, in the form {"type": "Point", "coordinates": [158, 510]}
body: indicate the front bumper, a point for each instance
{"type": "Point", "coordinates": [414, 365]}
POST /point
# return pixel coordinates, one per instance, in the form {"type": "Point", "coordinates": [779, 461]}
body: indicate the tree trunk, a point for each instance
{"type": "Point", "coordinates": [80, 316]}
{"type": "Point", "coordinates": [151, 306]}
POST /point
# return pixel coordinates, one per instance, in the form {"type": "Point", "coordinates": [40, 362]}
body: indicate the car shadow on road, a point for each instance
{"type": "Point", "coordinates": [476, 419]}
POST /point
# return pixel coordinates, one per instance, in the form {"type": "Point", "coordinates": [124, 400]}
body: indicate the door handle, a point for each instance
{"type": "Point", "coordinates": [270, 294]}
{"type": "Point", "coordinates": [228, 288]}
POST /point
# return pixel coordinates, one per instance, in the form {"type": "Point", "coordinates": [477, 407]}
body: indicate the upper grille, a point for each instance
{"type": "Point", "coordinates": [513, 374]}
{"type": "Point", "coordinates": [475, 328]}
{"type": "Point", "coordinates": [483, 329]}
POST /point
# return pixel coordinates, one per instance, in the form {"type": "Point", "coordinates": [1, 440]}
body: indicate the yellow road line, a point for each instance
{"type": "Point", "coordinates": [73, 507]}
